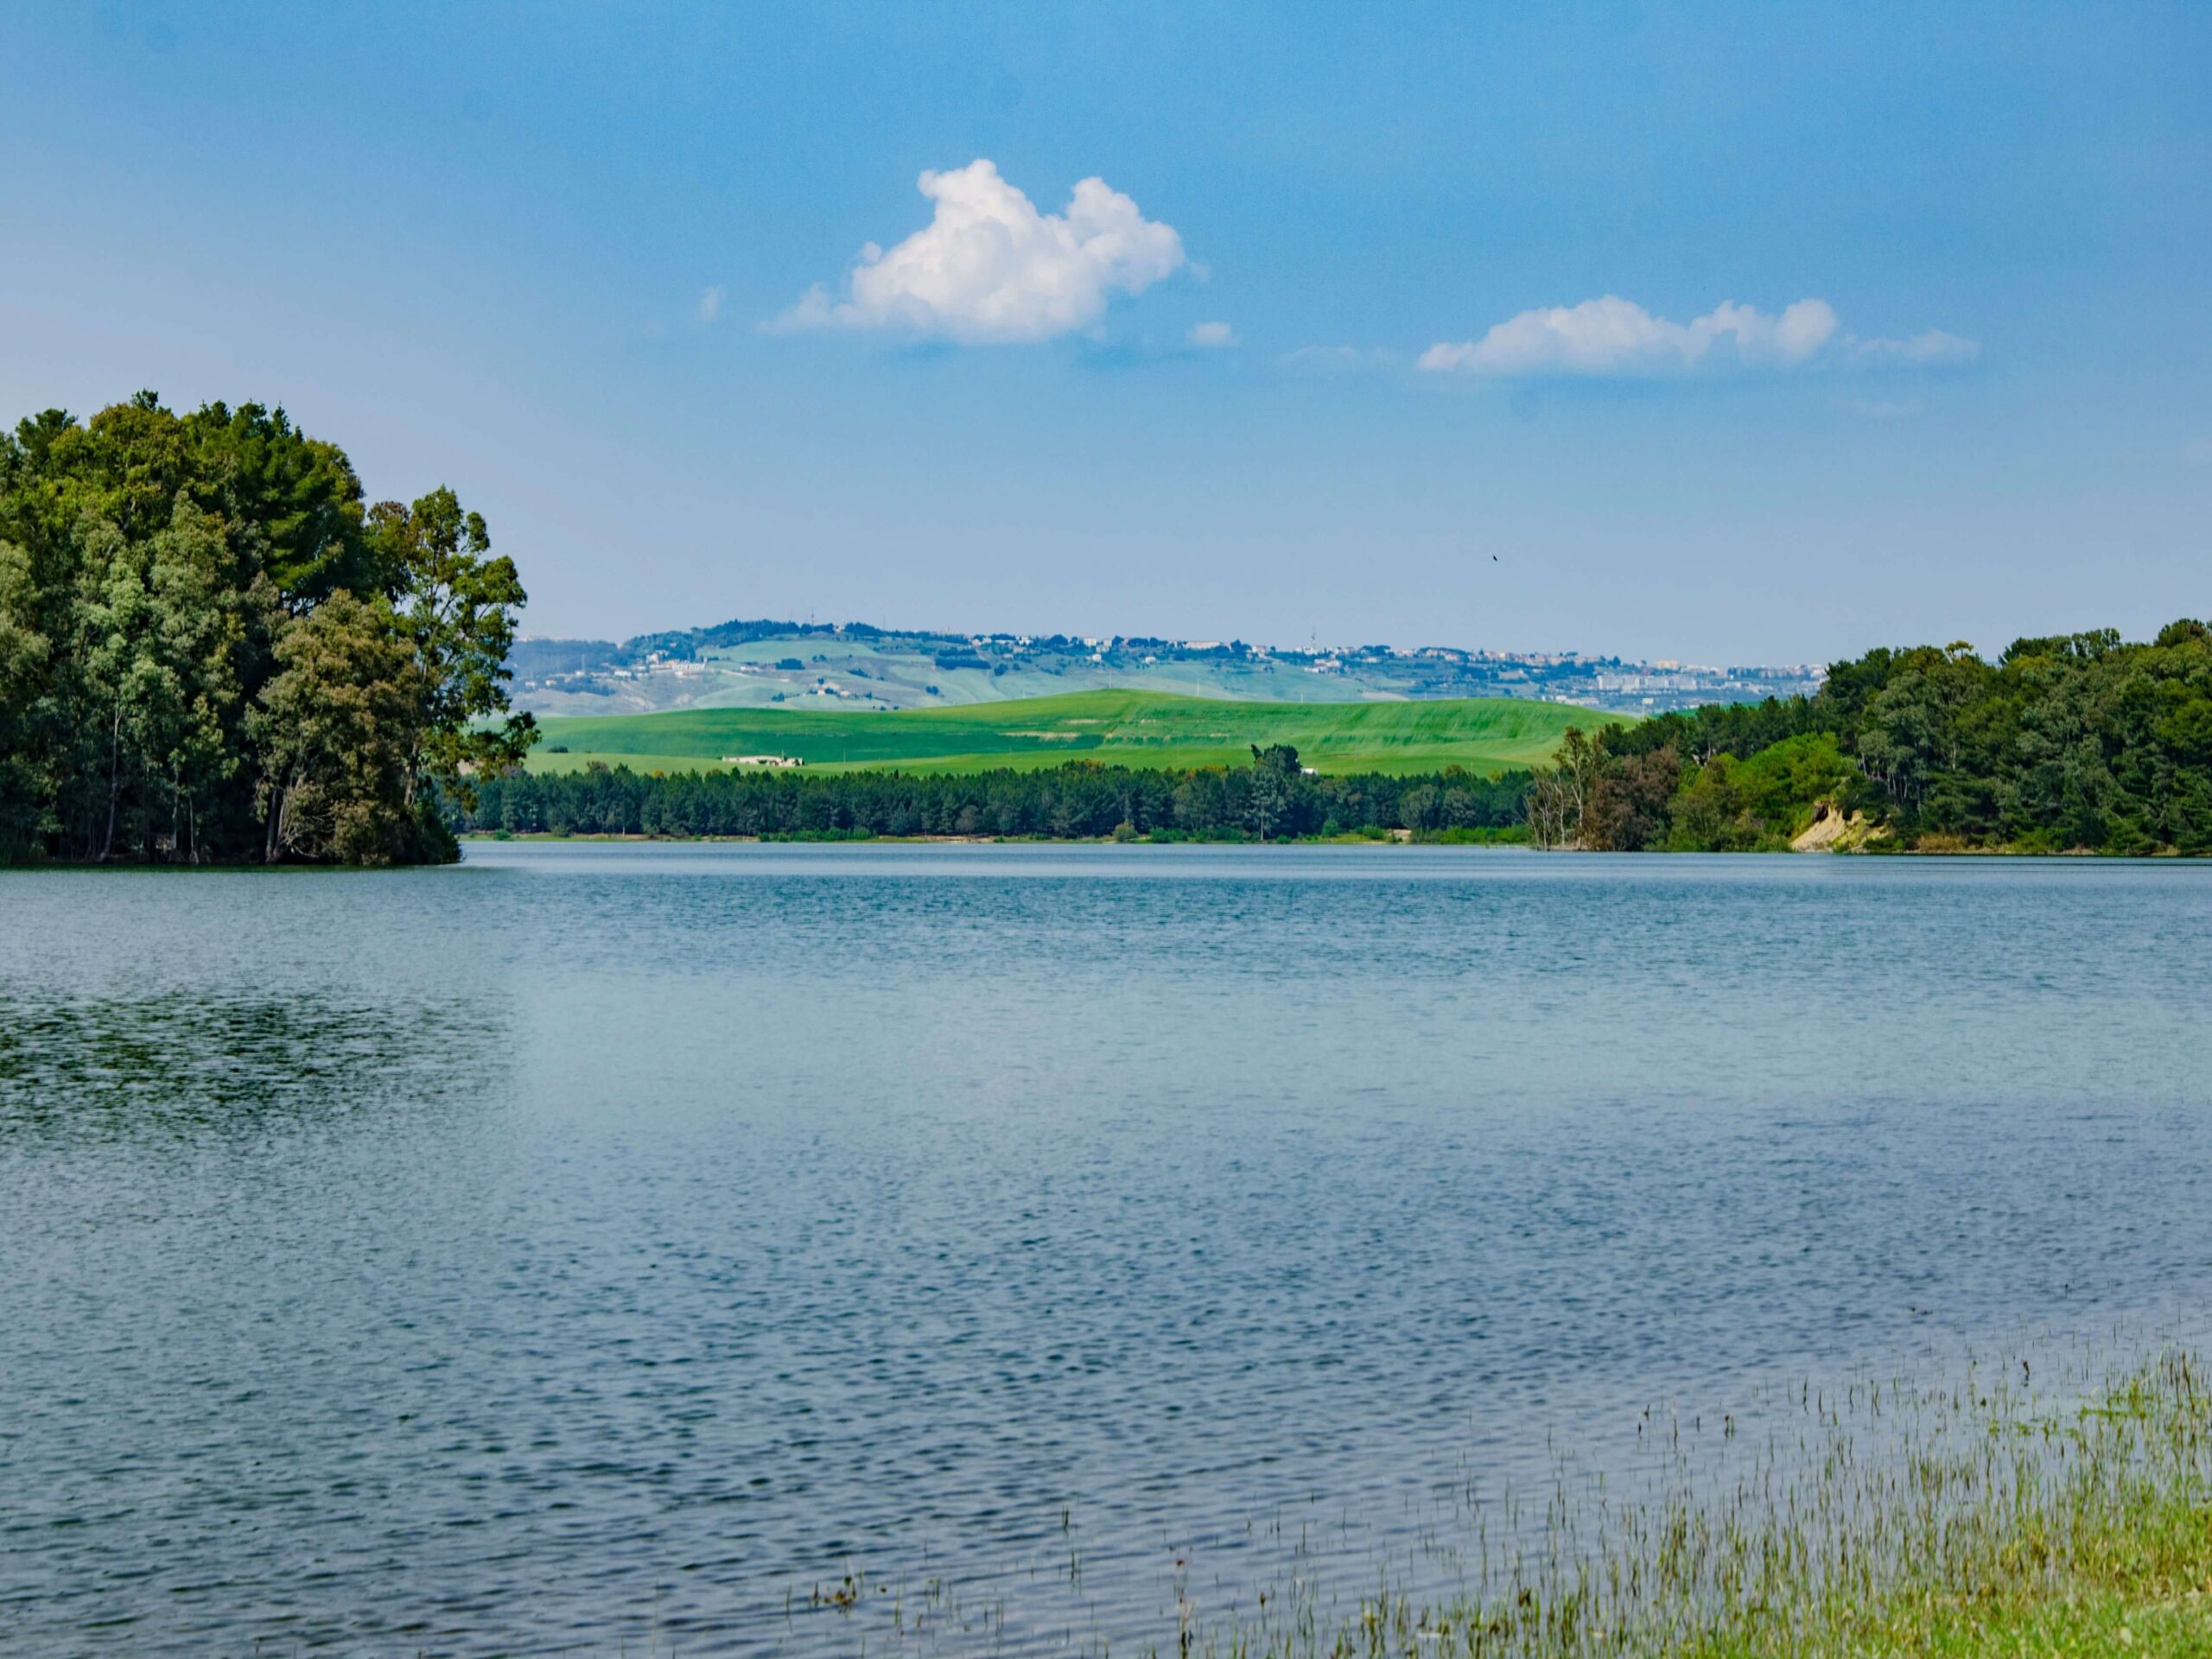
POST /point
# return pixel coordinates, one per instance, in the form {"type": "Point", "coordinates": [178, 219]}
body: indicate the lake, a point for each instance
{"type": "Point", "coordinates": [649, 1248]}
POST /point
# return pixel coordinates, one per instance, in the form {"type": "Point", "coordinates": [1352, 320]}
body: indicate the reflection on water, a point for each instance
{"type": "Point", "coordinates": [178, 1061]}
{"type": "Point", "coordinates": [596, 1246]}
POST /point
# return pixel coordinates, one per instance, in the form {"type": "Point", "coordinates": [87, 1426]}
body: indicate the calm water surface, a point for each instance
{"type": "Point", "coordinates": [605, 1247]}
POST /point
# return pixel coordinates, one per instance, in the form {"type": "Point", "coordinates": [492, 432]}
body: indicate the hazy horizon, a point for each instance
{"type": "Point", "coordinates": [532, 636]}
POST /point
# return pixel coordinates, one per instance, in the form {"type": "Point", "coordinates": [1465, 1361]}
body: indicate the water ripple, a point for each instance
{"type": "Point", "coordinates": [793, 1251]}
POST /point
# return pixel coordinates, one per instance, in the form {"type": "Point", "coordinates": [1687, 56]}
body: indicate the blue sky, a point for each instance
{"type": "Point", "coordinates": [1471, 380]}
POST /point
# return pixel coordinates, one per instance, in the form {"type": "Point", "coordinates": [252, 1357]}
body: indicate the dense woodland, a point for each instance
{"type": "Point", "coordinates": [2075, 742]}
{"type": "Point", "coordinates": [1269, 799]}
{"type": "Point", "coordinates": [212, 649]}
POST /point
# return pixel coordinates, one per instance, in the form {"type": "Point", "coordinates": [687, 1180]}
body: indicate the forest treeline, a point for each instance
{"type": "Point", "coordinates": [213, 647]}
{"type": "Point", "coordinates": [2071, 742]}
{"type": "Point", "coordinates": [1270, 799]}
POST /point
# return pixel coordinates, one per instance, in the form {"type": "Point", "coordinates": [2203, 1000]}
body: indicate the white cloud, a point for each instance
{"type": "Point", "coordinates": [1212, 335]}
{"type": "Point", "coordinates": [1933, 347]}
{"type": "Point", "coordinates": [710, 303]}
{"type": "Point", "coordinates": [1614, 336]}
{"type": "Point", "coordinates": [989, 267]}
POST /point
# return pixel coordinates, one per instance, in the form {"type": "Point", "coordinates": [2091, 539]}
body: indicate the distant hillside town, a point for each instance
{"type": "Point", "coordinates": [852, 664]}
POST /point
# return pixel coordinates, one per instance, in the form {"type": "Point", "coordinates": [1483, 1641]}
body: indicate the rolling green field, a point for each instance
{"type": "Point", "coordinates": [1139, 728]}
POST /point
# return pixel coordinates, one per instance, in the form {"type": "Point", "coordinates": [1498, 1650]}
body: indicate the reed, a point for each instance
{"type": "Point", "coordinates": [1972, 1519]}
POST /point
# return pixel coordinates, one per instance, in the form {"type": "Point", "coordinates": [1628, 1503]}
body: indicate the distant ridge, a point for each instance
{"type": "Point", "coordinates": [762, 662]}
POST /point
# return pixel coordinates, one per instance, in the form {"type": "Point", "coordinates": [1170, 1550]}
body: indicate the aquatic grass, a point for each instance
{"type": "Point", "coordinates": [1970, 1520]}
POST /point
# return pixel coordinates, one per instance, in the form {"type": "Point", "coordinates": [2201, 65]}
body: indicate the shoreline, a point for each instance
{"type": "Point", "coordinates": [1401, 838]}
{"type": "Point", "coordinates": [1397, 839]}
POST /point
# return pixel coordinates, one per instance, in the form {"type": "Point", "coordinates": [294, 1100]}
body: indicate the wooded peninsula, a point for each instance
{"type": "Point", "coordinates": [212, 650]}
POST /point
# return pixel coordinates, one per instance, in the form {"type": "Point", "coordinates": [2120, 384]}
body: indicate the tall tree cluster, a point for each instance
{"type": "Point", "coordinates": [212, 648]}
{"type": "Point", "coordinates": [2080, 742]}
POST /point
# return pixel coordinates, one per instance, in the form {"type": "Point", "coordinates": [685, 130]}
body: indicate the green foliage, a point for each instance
{"type": "Point", "coordinates": [339, 727]}
{"type": "Point", "coordinates": [1732, 805]}
{"type": "Point", "coordinates": [299, 494]}
{"type": "Point", "coordinates": [2075, 742]}
{"type": "Point", "coordinates": [1779, 784]}
{"type": "Point", "coordinates": [210, 650]}
{"type": "Point", "coordinates": [454, 605]}
{"type": "Point", "coordinates": [1077, 799]}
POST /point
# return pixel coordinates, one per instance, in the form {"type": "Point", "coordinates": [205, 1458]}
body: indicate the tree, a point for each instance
{"type": "Point", "coordinates": [1560, 796]}
{"type": "Point", "coordinates": [200, 620]}
{"type": "Point", "coordinates": [1270, 789]}
{"type": "Point", "coordinates": [1707, 812]}
{"type": "Point", "coordinates": [300, 495]}
{"type": "Point", "coordinates": [455, 606]}
{"type": "Point", "coordinates": [1912, 734]}
{"type": "Point", "coordinates": [1626, 808]}
{"type": "Point", "coordinates": [1421, 807]}
{"type": "Point", "coordinates": [26, 657]}
{"type": "Point", "coordinates": [159, 634]}
{"type": "Point", "coordinates": [340, 728]}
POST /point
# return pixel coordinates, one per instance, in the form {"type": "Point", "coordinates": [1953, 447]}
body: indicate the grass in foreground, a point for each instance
{"type": "Point", "coordinates": [1124, 727]}
{"type": "Point", "coordinates": [1962, 1524]}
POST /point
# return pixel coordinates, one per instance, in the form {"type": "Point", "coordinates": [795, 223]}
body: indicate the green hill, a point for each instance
{"type": "Point", "coordinates": [1487, 734]}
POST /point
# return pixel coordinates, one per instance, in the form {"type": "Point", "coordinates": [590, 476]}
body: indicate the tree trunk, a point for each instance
{"type": "Point", "coordinates": [114, 780]}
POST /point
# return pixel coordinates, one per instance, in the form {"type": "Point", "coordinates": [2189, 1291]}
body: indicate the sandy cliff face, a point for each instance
{"type": "Point", "coordinates": [1831, 832]}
